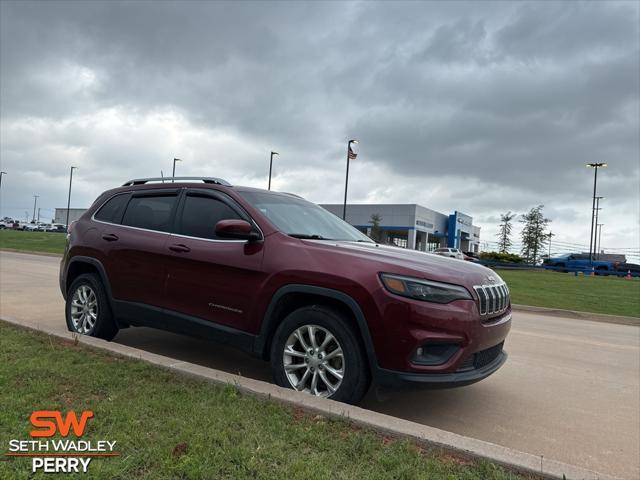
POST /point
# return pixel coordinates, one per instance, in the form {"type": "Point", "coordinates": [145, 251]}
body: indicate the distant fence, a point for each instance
{"type": "Point", "coordinates": [575, 270]}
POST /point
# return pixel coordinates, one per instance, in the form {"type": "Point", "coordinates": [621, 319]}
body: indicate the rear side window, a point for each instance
{"type": "Point", "coordinates": [200, 215]}
{"type": "Point", "coordinates": [112, 210]}
{"type": "Point", "coordinates": [150, 212]}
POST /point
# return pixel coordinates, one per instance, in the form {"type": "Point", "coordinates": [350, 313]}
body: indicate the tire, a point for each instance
{"type": "Point", "coordinates": [87, 308]}
{"type": "Point", "coordinates": [352, 363]}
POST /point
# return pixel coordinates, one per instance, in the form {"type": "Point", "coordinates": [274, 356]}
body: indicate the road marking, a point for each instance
{"type": "Point", "coordinates": [566, 338]}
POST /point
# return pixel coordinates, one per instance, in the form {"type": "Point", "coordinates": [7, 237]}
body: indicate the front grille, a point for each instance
{"type": "Point", "coordinates": [492, 299]}
{"type": "Point", "coordinates": [482, 358]}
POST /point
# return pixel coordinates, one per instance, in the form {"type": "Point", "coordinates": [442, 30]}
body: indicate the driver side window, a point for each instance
{"type": "Point", "coordinates": [200, 215]}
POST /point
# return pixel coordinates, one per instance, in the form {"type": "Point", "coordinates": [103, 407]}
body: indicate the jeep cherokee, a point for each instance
{"type": "Point", "coordinates": [285, 280]}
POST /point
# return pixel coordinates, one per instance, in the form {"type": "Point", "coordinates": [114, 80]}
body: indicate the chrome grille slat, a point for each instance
{"type": "Point", "coordinates": [492, 299]}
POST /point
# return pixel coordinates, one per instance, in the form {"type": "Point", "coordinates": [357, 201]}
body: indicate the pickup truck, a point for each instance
{"type": "Point", "coordinates": [579, 263]}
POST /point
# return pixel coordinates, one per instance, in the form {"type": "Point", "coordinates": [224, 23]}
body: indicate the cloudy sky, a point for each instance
{"type": "Point", "coordinates": [480, 107]}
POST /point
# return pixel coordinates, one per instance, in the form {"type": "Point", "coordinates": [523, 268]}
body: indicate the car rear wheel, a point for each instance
{"type": "Point", "coordinates": [87, 308]}
{"type": "Point", "coordinates": [315, 350]}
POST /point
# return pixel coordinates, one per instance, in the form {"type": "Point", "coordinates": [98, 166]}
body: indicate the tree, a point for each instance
{"type": "Point", "coordinates": [504, 234]}
{"type": "Point", "coordinates": [376, 231]}
{"type": "Point", "coordinates": [534, 236]}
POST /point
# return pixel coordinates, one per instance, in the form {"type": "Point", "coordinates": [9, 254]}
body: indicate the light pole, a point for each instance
{"type": "Point", "coordinates": [271, 168]}
{"type": "Point", "coordinates": [599, 237]}
{"type": "Point", "coordinates": [595, 233]}
{"type": "Point", "coordinates": [35, 202]}
{"type": "Point", "coordinates": [1, 174]}
{"type": "Point", "coordinates": [595, 166]}
{"type": "Point", "coordinates": [350, 156]}
{"type": "Point", "coordinates": [66, 225]}
{"type": "Point", "coordinates": [173, 175]}
{"type": "Point", "coordinates": [551, 235]}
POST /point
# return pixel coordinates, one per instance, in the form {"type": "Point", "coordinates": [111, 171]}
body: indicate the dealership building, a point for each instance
{"type": "Point", "coordinates": [414, 226]}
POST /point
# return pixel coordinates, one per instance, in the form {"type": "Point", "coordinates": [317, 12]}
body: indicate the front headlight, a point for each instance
{"type": "Point", "coordinates": [424, 290]}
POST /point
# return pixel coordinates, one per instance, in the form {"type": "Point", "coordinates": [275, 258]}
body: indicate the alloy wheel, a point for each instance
{"type": "Point", "coordinates": [314, 361]}
{"type": "Point", "coordinates": [84, 309]}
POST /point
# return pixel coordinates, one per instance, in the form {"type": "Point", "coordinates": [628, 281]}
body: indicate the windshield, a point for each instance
{"type": "Point", "coordinates": [300, 218]}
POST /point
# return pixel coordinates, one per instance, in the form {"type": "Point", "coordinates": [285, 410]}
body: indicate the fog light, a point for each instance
{"type": "Point", "coordinates": [435, 354]}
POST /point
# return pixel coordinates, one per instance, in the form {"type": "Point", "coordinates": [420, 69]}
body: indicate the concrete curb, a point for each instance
{"type": "Point", "coordinates": [425, 435]}
{"type": "Point", "coordinates": [594, 317]}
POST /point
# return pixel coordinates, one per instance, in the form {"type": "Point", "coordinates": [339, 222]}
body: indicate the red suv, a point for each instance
{"type": "Point", "coordinates": [285, 280]}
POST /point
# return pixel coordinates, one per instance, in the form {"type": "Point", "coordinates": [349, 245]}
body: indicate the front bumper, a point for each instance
{"type": "Point", "coordinates": [392, 379]}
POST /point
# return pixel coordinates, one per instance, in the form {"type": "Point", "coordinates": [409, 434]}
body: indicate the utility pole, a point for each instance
{"type": "Point", "coordinates": [595, 166]}
{"type": "Point", "coordinates": [595, 236]}
{"type": "Point", "coordinates": [69, 198]}
{"type": "Point", "coordinates": [1, 174]}
{"type": "Point", "coordinates": [600, 238]}
{"type": "Point", "coordinates": [38, 221]}
{"type": "Point", "coordinates": [35, 202]}
{"type": "Point", "coordinates": [551, 234]}
{"type": "Point", "coordinates": [350, 156]}
{"type": "Point", "coordinates": [271, 168]}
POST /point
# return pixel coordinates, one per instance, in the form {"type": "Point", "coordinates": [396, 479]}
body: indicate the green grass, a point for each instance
{"type": "Point", "coordinates": [599, 294]}
{"type": "Point", "coordinates": [171, 426]}
{"type": "Point", "coordinates": [46, 242]}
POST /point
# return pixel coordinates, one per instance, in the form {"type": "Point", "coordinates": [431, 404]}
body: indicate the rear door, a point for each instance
{"type": "Point", "coordinates": [134, 238]}
{"type": "Point", "coordinates": [211, 278]}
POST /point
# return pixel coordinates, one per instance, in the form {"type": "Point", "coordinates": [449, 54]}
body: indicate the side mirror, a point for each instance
{"type": "Point", "coordinates": [236, 229]}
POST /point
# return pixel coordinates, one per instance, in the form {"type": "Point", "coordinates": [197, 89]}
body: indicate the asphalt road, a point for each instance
{"type": "Point", "coordinates": [570, 390]}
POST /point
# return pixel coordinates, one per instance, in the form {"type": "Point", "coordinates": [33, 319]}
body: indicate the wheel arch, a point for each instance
{"type": "Point", "coordinates": [294, 296]}
{"type": "Point", "coordinates": [79, 265]}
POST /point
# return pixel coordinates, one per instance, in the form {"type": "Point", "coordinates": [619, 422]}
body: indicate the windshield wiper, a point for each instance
{"type": "Point", "coordinates": [306, 236]}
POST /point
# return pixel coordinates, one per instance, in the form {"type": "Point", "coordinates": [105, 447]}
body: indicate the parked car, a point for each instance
{"type": "Point", "coordinates": [578, 263]}
{"type": "Point", "coordinates": [30, 227]}
{"type": "Point", "coordinates": [284, 280]}
{"type": "Point", "coordinates": [449, 252]}
{"type": "Point", "coordinates": [6, 222]}
{"type": "Point", "coordinates": [628, 268]}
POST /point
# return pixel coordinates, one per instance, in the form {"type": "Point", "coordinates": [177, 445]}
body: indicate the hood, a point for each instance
{"type": "Point", "coordinates": [414, 263]}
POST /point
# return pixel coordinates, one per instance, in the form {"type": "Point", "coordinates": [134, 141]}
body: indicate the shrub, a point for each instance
{"type": "Point", "coordinates": [501, 257]}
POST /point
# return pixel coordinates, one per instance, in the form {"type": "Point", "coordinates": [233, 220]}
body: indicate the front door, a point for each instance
{"type": "Point", "coordinates": [211, 278]}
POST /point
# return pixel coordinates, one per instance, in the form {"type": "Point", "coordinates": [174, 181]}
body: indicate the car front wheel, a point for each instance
{"type": "Point", "coordinates": [316, 350]}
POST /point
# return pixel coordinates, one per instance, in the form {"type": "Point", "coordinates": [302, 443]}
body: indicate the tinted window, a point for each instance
{"type": "Point", "coordinates": [152, 213]}
{"type": "Point", "coordinates": [112, 210]}
{"type": "Point", "coordinates": [200, 215]}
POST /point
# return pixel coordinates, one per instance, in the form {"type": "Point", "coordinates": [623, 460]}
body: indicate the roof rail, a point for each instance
{"type": "Point", "coordinates": [142, 181]}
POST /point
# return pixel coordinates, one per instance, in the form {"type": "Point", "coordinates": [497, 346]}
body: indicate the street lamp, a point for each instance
{"type": "Point", "coordinates": [69, 198]}
{"type": "Point", "coordinates": [35, 202]}
{"type": "Point", "coordinates": [271, 168]}
{"type": "Point", "coordinates": [173, 175]}
{"type": "Point", "coordinates": [595, 166]}
{"type": "Point", "coordinates": [350, 156]}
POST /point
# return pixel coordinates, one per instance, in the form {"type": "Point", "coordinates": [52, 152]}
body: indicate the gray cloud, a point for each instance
{"type": "Point", "coordinates": [492, 105]}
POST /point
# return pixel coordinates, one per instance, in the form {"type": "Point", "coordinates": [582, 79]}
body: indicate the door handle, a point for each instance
{"type": "Point", "coordinates": [109, 237]}
{"type": "Point", "coordinates": [179, 247]}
